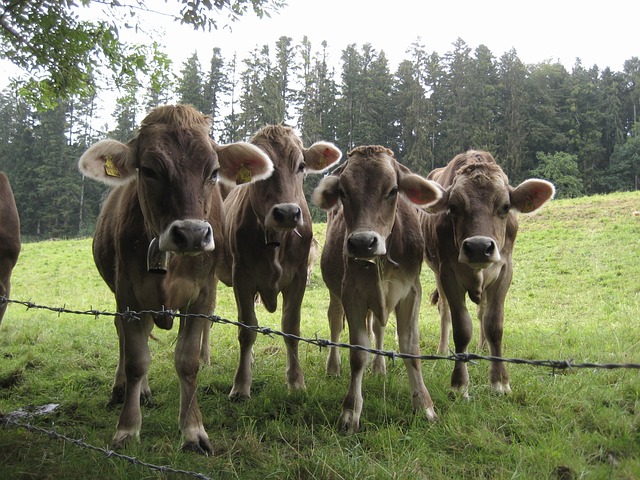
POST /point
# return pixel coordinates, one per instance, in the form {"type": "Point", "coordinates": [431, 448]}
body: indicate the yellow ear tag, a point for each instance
{"type": "Point", "coordinates": [243, 175]}
{"type": "Point", "coordinates": [110, 169]}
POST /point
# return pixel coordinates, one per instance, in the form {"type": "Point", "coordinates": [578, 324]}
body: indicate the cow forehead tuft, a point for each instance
{"type": "Point", "coordinates": [370, 151]}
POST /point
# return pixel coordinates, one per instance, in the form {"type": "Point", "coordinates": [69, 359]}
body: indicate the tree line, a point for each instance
{"type": "Point", "coordinates": [578, 128]}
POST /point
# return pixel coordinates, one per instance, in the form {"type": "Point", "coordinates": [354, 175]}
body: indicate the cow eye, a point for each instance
{"type": "Point", "coordinates": [301, 167]}
{"type": "Point", "coordinates": [454, 210]}
{"type": "Point", "coordinates": [148, 173]}
{"type": "Point", "coordinates": [393, 192]}
{"type": "Point", "coordinates": [505, 209]}
{"type": "Point", "coordinates": [214, 176]}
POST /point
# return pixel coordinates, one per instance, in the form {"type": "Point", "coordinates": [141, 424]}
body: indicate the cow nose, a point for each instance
{"type": "Point", "coordinates": [187, 236]}
{"type": "Point", "coordinates": [479, 250]}
{"type": "Point", "coordinates": [365, 244]}
{"type": "Point", "coordinates": [284, 216]}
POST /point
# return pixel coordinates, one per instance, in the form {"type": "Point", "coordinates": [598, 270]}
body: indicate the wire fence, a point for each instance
{"type": "Point", "coordinates": [324, 343]}
{"type": "Point", "coordinates": [165, 469]}
{"type": "Point", "coordinates": [14, 419]}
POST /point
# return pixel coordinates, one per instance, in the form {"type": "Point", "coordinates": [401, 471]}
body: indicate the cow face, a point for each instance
{"type": "Point", "coordinates": [175, 166]}
{"type": "Point", "coordinates": [482, 207]}
{"type": "Point", "coordinates": [367, 186]}
{"type": "Point", "coordinates": [276, 201]}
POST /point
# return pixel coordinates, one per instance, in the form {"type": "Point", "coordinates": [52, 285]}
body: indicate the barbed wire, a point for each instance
{"type": "Point", "coordinates": [323, 343]}
{"type": "Point", "coordinates": [9, 420]}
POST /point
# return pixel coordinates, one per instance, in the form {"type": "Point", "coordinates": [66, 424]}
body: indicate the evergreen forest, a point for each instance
{"type": "Point", "coordinates": [577, 128]}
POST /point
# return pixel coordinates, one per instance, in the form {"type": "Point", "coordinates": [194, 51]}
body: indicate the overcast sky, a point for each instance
{"type": "Point", "coordinates": [603, 33]}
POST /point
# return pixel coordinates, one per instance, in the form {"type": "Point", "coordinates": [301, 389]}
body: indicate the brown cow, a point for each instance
{"type": "Point", "coordinates": [371, 261]}
{"type": "Point", "coordinates": [9, 239]}
{"type": "Point", "coordinates": [269, 234]}
{"type": "Point", "coordinates": [164, 214]}
{"type": "Point", "coordinates": [468, 244]}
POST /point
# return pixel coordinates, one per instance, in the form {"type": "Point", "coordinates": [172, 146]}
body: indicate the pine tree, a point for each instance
{"type": "Point", "coordinates": [190, 84]}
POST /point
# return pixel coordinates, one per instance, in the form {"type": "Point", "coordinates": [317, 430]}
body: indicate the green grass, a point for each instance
{"type": "Point", "coordinates": [575, 295]}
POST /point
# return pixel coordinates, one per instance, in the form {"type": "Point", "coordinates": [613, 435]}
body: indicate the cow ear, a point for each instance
{"type": "Point", "coordinates": [320, 156]}
{"type": "Point", "coordinates": [242, 162]}
{"type": "Point", "coordinates": [325, 195]}
{"type": "Point", "coordinates": [418, 190]}
{"type": "Point", "coordinates": [531, 194]}
{"type": "Point", "coordinates": [109, 161]}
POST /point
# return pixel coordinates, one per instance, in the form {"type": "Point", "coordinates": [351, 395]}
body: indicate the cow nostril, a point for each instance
{"type": "Point", "coordinates": [278, 215]}
{"type": "Point", "coordinates": [490, 249]}
{"type": "Point", "coordinates": [179, 238]}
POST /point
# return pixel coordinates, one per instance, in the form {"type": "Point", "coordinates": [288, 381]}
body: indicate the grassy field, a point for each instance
{"type": "Point", "coordinates": [575, 295]}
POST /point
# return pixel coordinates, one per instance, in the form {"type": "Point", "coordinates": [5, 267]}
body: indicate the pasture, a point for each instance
{"type": "Point", "coordinates": [575, 296]}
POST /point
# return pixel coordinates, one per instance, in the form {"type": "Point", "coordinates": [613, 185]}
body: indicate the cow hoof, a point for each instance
{"type": "Point", "coordinates": [201, 447]}
{"type": "Point", "coordinates": [147, 400]}
{"type": "Point", "coordinates": [501, 388]}
{"type": "Point", "coordinates": [461, 393]}
{"type": "Point", "coordinates": [123, 437]}
{"type": "Point", "coordinates": [237, 396]}
{"type": "Point", "coordinates": [349, 422]}
{"type": "Point", "coordinates": [333, 370]}
{"type": "Point", "coordinates": [117, 397]}
{"type": "Point", "coordinates": [431, 414]}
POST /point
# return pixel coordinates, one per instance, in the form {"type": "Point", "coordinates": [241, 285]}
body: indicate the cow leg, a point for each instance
{"type": "Point", "coordinates": [246, 338]}
{"type": "Point", "coordinates": [409, 342]}
{"type": "Point", "coordinates": [376, 330]}
{"type": "Point", "coordinates": [336, 324]}
{"type": "Point", "coordinates": [462, 330]}
{"type": "Point", "coordinates": [445, 323]}
{"type": "Point", "coordinates": [5, 285]}
{"type": "Point", "coordinates": [481, 310]}
{"type": "Point", "coordinates": [493, 321]}
{"type": "Point", "coordinates": [352, 403]}
{"type": "Point", "coordinates": [187, 364]}
{"type": "Point", "coordinates": [119, 382]}
{"type": "Point", "coordinates": [135, 337]}
{"type": "Point", "coordinates": [205, 346]}
{"type": "Point", "coordinates": [291, 304]}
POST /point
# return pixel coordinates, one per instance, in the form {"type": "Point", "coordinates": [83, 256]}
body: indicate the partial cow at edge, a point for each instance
{"type": "Point", "coordinates": [157, 242]}
{"type": "Point", "coordinates": [9, 238]}
{"type": "Point", "coordinates": [371, 262]}
{"type": "Point", "coordinates": [269, 237]}
{"type": "Point", "coordinates": [469, 237]}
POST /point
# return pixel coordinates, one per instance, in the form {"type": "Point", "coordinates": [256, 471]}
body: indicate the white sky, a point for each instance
{"type": "Point", "coordinates": [601, 33]}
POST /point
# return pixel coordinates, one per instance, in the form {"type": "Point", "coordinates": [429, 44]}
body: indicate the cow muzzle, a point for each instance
{"type": "Point", "coordinates": [284, 217]}
{"type": "Point", "coordinates": [365, 245]}
{"type": "Point", "coordinates": [479, 252]}
{"type": "Point", "coordinates": [187, 237]}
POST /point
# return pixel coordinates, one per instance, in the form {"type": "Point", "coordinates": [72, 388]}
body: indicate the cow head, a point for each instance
{"type": "Point", "coordinates": [482, 206]}
{"type": "Point", "coordinates": [276, 201]}
{"type": "Point", "coordinates": [367, 186]}
{"type": "Point", "coordinates": [175, 166]}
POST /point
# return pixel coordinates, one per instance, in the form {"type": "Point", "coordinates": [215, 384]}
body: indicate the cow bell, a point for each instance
{"type": "Point", "coordinates": [272, 238]}
{"type": "Point", "coordinates": [157, 260]}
